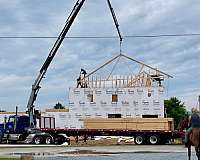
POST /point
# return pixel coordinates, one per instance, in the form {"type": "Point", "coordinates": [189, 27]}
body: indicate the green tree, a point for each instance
{"type": "Point", "coordinates": [59, 106]}
{"type": "Point", "coordinates": [175, 109]}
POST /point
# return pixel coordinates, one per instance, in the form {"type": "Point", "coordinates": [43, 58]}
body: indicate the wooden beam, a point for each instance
{"type": "Point", "coordinates": [146, 65]}
{"type": "Point", "coordinates": [108, 62]}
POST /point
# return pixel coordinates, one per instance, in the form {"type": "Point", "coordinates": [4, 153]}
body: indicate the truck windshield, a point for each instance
{"type": "Point", "coordinates": [12, 119]}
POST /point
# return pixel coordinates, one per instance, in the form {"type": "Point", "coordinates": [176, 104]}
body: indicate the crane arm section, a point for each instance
{"type": "Point", "coordinates": [115, 20]}
{"type": "Point", "coordinates": [43, 70]}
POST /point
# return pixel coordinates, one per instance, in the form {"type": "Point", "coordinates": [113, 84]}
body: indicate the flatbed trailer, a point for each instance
{"type": "Point", "coordinates": [47, 133]}
{"type": "Point", "coordinates": [140, 136]}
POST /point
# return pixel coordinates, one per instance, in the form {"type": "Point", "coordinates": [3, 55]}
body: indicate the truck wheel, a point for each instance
{"type": "Point", "coordinates": [48, 140]}
{"type": "Point", "coordinates": [139, 139]}
{"type": "Point", "coordinates": [154, 139]}
{"type": "Point", "coordinates": [37, 140]}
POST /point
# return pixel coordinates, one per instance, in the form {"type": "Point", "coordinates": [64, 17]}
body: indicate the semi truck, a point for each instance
{"type": "Point", "coordinates": [15, 129]}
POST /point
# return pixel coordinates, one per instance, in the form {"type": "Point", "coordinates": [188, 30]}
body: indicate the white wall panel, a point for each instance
{"type": "Point", "coordinates": [132, 102]}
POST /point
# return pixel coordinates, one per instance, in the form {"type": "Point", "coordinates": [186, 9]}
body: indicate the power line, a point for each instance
{"type": "Point", "coordinates": [164, 35]}
{"type": "Point", "coordinates": [102, 37]}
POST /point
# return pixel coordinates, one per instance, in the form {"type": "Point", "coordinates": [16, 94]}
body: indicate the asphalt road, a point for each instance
{"type": "Point", "coordinates": [53, 150]}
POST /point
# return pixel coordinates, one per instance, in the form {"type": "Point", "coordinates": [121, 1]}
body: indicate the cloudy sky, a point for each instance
{"type": "Point", "coordinates": [21, 59]}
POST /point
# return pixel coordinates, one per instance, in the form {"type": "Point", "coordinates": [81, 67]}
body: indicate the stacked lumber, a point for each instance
{"type": "Point", "coordinates": [166, 124]}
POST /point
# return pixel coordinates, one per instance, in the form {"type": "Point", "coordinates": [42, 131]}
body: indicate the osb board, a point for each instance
{"type": "Point", "coordinates": [129, 123]}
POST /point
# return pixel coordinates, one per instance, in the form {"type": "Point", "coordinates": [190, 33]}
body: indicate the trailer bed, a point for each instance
{"type": "Point", "coordinates": [163, 136]}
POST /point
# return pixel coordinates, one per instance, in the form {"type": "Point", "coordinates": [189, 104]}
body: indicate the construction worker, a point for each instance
{"type": "Point", "coordinates": [83, 80]}
{"type": "Point", "coordinates": [83, 72]}
{"type": "Point", "coordinates": [194, 122]}
{"type": "Point", "coordinates": [78, 81]}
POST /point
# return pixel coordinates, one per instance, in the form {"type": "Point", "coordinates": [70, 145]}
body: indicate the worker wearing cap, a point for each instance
{"type": "Point", "coordinates": [194, 122]}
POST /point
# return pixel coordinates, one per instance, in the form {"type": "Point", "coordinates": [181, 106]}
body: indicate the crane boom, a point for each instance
{"type": "Point", "coordinates": [43, 70]}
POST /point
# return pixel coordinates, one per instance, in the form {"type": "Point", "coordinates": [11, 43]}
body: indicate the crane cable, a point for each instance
{"type": "Point", "coordinates": [116, 24]}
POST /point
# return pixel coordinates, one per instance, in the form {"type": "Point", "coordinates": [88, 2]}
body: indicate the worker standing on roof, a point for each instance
{"type": "Point", "coordinates": [83, 72]}
{"type": "Point", "coordinates": [81, 79]}
{"type": "Point", "coordinates": [194, 122]}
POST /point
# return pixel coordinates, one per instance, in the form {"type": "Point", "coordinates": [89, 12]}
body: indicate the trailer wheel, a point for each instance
{"type": "Point", "coordinates": [61, 138]}
{"type": "Point", "coordinates": [154, 139]}
{"type": "Point", "coordinates": [37, 140]}
{"type": "Point", "coordinates": [48, 140]}
{"type": "Point", "coordinates": [139, 139]}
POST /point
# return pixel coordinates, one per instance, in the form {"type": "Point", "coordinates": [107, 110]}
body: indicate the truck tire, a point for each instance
{"type": "Point", "coordinates": [61, 138]}
{"type": "Point", "coordinates": [154, 139]}
{"type": "Point", "coordinates": [48, 140]}
{"type": "Point", "coordinates": [37, 140]}
{"type": "Point", "coordinates": [139, 139]}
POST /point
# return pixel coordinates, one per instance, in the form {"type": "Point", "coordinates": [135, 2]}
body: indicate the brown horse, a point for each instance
{"type": "Point", "coordinates": [194, 140]}
{"type": "Point", "coordinates": [184, 124]}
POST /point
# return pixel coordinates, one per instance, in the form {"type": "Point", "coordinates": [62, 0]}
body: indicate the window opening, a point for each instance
{"type": "Point", "coordinates": [114, 98]}
{"type": "Point", "coordinates": [114, 116]}
{"type": "Point", "coordinates": [149, 116]}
